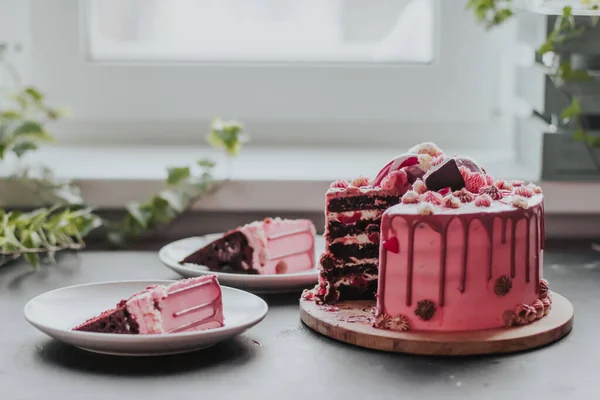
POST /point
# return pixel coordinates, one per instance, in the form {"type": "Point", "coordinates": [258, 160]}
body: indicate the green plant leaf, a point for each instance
{"type": "Point", "coordinates": [135, 210]}
{"type": "Point", "coordinates": [177, 174]}
{"type": "Point", "coordinates": [33, 259]}
{"type": "Point", "coordinates": [34, 94]}
{"type": "Point", "coordinates": [23, 147]}
{"type": "Point", "coordinates": [579, 134]}
{"type": "Point", "coordinates": [206, 163]}
{"type": "Point", "coordinates": [10, 114]}
{"type": "Point", "coordinates": [28, 128]}
{"type": "Point", "coordinates": [572, 111]}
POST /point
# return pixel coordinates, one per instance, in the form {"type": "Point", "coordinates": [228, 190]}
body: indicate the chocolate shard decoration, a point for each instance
{"type": "Point", "coordinates": [425, 309]}
{"type": "Point", "coordinates": [445, 175]}
{"type": "Point", "coordinates": [502, 286]}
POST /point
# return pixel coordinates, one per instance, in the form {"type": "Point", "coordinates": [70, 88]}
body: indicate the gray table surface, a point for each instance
{"type": "Point", "coordinates": [280, 356]}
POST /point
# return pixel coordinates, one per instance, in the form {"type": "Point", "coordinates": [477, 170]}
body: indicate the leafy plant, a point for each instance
{"type": "Point", "coordinates": [63, 226]}
{"type": "Point", "coordinates": [184, 188]}
{"type": "Point", "coordinates": [43, 232]}
{"type": "Point", "coordinates": [494, 12]}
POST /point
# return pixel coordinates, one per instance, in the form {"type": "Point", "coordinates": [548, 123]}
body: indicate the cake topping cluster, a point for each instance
{"type": "Point", "coordinates": [428, 178]}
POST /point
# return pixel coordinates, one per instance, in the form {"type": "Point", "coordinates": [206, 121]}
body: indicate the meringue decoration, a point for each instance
{"type": "Point", "coordinates": [524, 191]}
{"type": "Point", "coordinates": [428, 148]}
{"type": "Point", "coordinates": [360, 181]}
{"type": "Point", "coordinates": [520, 202]}
{"type": "Point", "coordinates": [450, 201]}
{"type": "Point", "coordinates": [431, 197]}
{"type": "Point", "coordinates": [425, 209]}
{"type": "Point", "coordinates": [464, 195]}
{"type": "Point", "coordinates": [483, 200]}
{"type": "Point", "coordinates": [339, 184]}
{"type": "Point", "coordinates": [491, 191]}
{"type": "Point", "coordinates": [419, 186]}
{"type": "Point", "coordinates": [475, 182]}
{"type": "Point", "coordinates": [410, 197]}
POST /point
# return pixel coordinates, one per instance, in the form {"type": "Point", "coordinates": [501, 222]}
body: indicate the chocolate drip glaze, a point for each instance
{"type": "Point", "coordinates": [463, 276]}
{"type": "Point", "coordinates": [489, 227]}
{"type": "Point", "coordinates": [440, 224]}
{"type": "Point", "coordinates": [443, 266]}
{"type": "Point", "coordinates": [411, 248]}
{"type": "Point", "coordinates": [538, 247]}
{"type": "Point", "coordinates": [513, 227]}
{"type": "Point", "coordinates": [528, 227]}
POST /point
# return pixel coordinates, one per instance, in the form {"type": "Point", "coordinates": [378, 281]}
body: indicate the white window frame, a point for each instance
{"type": "Point", "coordinates": [460, 100]}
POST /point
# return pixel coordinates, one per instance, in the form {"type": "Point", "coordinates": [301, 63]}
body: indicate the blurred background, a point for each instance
{"type": "Point", "coordinates": [325, 89]}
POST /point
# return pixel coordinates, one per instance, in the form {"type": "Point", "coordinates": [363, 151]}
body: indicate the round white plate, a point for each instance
{"type": "Point", "coordinates": [176, 251]}
{"type": "Point", "coordinates": [56, 312]}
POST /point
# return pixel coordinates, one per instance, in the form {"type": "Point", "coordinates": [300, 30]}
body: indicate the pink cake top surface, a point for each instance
{"type": "Point", "coordinates": [506, 204]}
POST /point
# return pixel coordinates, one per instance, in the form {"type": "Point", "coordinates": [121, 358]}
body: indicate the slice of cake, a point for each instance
{"type": "Point", "coordinates": [187, 305]}
{"type": "Point", "coordinates": [272, 246]}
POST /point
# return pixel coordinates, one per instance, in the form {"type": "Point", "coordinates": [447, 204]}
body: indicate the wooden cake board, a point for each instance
{"type": "Point", "coordinates": [352, 324]}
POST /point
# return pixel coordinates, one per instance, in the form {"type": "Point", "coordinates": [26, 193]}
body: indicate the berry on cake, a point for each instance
{"type": "Point", "coordinates": [271, 246]}
{"type": "Point", "coordinates": [187, 305]}
{"type": "Point", "coordinates": [455, 250]}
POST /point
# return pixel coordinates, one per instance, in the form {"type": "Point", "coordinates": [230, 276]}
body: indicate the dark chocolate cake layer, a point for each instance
{"type": "Point", "coordinates": [227, 254]}
{"type": "Point", "coordinates": [358, 291]}
{"type": "Point", "coordinates": [112, 321]}
{"type": "Point", "coordinates": [350, 270]}
{"type": "Point", "coordinates": [364, 202]}
{"type": "Point", "coordinates": [337, 229]}
{"type": "Point", "coordinates": [346, 252]}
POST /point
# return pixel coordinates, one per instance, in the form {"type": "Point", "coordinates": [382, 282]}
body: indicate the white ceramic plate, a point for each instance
{"type": "Point", "coordinates": [176, 251]}
{"type": "Point", "coordinates": [57, 311]}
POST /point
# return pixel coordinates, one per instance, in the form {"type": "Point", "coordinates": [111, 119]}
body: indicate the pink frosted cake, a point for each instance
{"type": "Point", "coordinates": [272, 246]}
{"type": "Point", "coordinates": [460, 251]}
{"type": "Point", "coordinates": [187, 305]}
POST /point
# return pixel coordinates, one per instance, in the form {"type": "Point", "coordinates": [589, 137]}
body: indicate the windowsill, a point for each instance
{"type": "Point", "coordinates": [274, 179]}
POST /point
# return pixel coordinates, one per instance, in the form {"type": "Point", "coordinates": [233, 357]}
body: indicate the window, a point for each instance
{"type": "Point", "coordinates": [260, 30]}
{"type": "Point", "coordinates": [311, 72]}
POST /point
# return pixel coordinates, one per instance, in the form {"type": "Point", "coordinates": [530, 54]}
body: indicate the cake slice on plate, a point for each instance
{"type": "Point", "coordinates": [271, 246]}
{"type": "Point", "coordinates": [187, 305]}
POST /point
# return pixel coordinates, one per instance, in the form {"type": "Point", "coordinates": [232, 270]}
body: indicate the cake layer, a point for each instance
{"type": "Point", "coordinates": [466, 266]}
{"type": "Point", "coordinates": [337, 229]}
{"type": "Point", "coordinates": [352, 282]}
{"type": "Point", "coordinates": [347, 252]}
